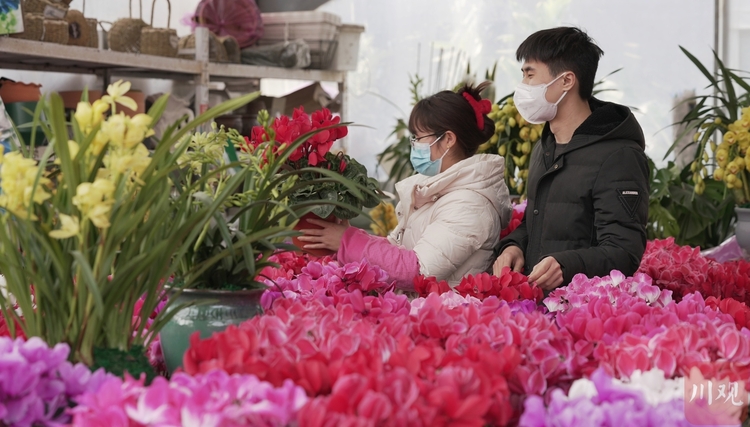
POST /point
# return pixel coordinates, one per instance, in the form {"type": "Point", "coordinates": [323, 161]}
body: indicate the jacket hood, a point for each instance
{"type": "Point", "coordinates": [481, 173]}
{"type": "Point", "coordinates": [608, 121]}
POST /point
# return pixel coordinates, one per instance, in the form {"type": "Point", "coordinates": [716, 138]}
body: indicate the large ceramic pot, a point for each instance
{"type": "Point", "coordinates": [303, 224]}
{"type": "Point", "coordinates": [742, 227]}
{"type": "Point", "coordinates": [217, 310]}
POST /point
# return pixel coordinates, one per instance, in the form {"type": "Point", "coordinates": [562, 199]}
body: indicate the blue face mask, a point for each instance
{"type": "Point", "coordinates": [421, 158]}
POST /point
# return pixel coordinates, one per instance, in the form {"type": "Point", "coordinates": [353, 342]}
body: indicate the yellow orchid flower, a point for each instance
{"type": "Point", "coordinates": [89, 115]}
{"type": "Point", "coordinates": [99, 215]}
{"type": "Point", "coordinates": [72, 149]}
{"type": "Point", "coordinates": [114, 129]}
{"type": "Point", "coordinates": [116, 95]}
{"type": "Point", "coordinates": [84, 116]}
{"type": "Point", "coordinates": [69, 227]}
{"type": "Point", "coordinates": [95, 200]}
{"type": "Point", "coordinates": [98, 144]}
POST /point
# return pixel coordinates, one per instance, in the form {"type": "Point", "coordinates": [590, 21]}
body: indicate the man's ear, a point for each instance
{"type": "Point", "coordinates": [569, 81]}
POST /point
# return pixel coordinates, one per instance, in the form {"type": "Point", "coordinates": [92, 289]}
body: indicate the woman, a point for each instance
{"type": "Point", "coordinates": [451, 213]}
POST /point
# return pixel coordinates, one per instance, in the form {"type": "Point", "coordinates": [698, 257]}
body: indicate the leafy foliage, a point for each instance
{"type": "Point", "coordinates": [349, 202]}
{"type": "Point", "coordinates": [727, 112]}
{"type": "Point", "coordinates": [76, 271]}
{"type": "Point", "coordinates": [676, 211]}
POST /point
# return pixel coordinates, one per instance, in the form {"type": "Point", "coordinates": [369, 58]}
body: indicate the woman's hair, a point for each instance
{"type": "Point", "coordinates": [451, 111]}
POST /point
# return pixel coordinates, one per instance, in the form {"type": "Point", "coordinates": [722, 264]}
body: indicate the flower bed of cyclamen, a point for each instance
{"type": "Point", "coordinates": [337, 346]}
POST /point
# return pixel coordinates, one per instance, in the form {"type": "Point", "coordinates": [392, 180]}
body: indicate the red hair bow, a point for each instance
{"type": "Point", "coordinates": [480, 108]}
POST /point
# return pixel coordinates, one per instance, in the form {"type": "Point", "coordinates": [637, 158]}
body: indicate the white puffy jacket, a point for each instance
{"type": "Point", "coordinates": [452, 220]}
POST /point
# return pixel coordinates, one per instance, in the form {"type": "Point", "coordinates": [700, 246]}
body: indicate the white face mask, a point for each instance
{"type": "Point", "coordinates": [532, 104]}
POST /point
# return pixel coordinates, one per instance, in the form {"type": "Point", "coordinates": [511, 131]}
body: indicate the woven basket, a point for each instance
{"type": "Point", "coordinates": [93, 24]}
{"type": "Point", "coordinates": [56, 31]}
{"type": "Point", "coordinates": [125, 34]}
{"type": "Point", "coordinates": [216, 50]}
{"type": "Point", "coordinates": [160, 41]}
{"type": "Point", "coordinates": [78, 29]}
{"type": "Point", "coordinates": [40, 6]}
{"type": "Point", "coordinates": [232, 48]}
{"type": "Point", "coordinates": [33, 27]}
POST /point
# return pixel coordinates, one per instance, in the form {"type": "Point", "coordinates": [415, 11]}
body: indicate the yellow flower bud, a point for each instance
{"type": "Point", "coordinates": [696, 137]}
{"type": "Point", "coordinates": [719, 174]}
{"type": "Point", "coordinates": [512, 122]}
{"type": "Point", "coordinates": [524, 133]}
{"type": "Point", "coordinates": [730, 138]}
{"type": "Point", "coordinates": [740, 162]}
{"type": "Point", "coordinates": [501, 150]}
{"type": "Point", "coordinates": [520, 120]}
{"type": "Point", "coordinates": [533, 135]}
{"type": "Point", "coordinates": [730, 179]}
{"type": "Point", "coordinates": [732, 167]}
{"type": "Point", "coordinates": [526, 147]}
{"type": "Point", "coordinates": [712, 144]}
{"type": "Point", "coordinates": [717, 121]}
{"type": "Point", "coordinates": [700, 187]}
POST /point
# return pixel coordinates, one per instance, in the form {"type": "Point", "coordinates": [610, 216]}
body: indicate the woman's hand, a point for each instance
{"type": "Point", "coordinates": [329, 237]}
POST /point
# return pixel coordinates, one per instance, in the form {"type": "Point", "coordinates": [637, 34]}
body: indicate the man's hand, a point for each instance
{"type": "Point", "coordinates": [547, 274]}
{"type": "Point", "coordinates": [512, 257]}
{"type": "Point", "coordinates": [329, 237]}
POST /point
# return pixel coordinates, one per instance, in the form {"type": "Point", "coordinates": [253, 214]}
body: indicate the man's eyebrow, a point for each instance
{"type": "Point", "coordinates": [527, 68]}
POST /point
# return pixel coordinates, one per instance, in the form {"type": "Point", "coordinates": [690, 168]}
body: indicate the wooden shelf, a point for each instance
{"type": "Point", "coordinates": [22, 54]}
{"type": "Point", "coordinates": [19, 54]}
{"type": "Point", "coordinates": [231, 71]}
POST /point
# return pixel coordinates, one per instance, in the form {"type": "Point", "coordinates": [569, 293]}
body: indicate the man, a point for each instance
{"type": "Point", "coordinates": [588, 177]}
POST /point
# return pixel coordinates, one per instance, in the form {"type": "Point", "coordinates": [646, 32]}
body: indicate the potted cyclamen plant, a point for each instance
{"type": "Point", "coordinates": [317, 193]}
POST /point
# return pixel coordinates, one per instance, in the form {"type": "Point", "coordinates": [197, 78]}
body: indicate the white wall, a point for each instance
{"type": "Point", "coordinates": [642, 36]}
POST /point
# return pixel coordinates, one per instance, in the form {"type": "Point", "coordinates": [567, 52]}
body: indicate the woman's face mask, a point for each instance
{"type": "Point", "coordinates": [421, 158]}
{"type": "Point", "coordinates": [532, 104]}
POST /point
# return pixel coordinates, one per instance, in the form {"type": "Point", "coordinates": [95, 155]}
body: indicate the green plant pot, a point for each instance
{"type": "Point", "coordinates": [742, 227]}
{"type": "Point", "coordinates": [217, 310]}
{"type": "Point", "coordinates": [19, 113]}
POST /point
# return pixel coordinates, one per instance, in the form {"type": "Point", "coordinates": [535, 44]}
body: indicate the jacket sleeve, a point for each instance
{"type": "Point", "coordinates": [518, 237]}
{"type": "Point", "coordinates": [457, 230]}
{"type": "Point", "coordinates": [620, 197]}
{"type": "Point", "coordinates": [401, 264]}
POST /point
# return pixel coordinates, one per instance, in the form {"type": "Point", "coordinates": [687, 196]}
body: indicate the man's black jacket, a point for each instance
{"type": "Point", "coordinates": [588, 199]}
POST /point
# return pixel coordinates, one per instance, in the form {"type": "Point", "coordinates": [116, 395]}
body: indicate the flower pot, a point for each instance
{"type": "Point", "coordinates": [742, 227]}
{"type": "Point", "coordinates": [11, 92]}
{"type": "Point", "coordinates": [71, 98]}
{"type": "Point", "coordinates": [303, 224]}
{"type": "Point", "coordinates": [140, 100]}
{"type": "Point", "coordinates": [217, 310]}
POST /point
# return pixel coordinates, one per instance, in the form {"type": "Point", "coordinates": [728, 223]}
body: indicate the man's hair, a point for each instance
{"type": "Point", "coordinates": [564, 49]}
